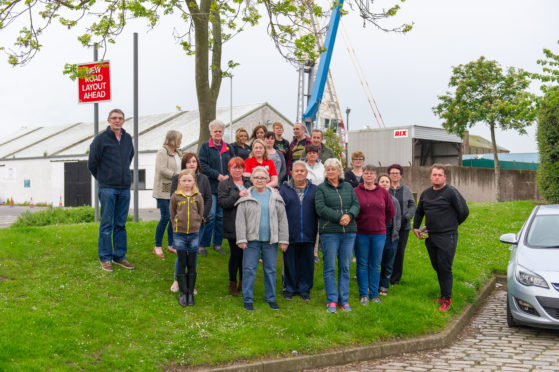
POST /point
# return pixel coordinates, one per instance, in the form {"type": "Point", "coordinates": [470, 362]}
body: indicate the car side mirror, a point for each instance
{"type": "Point", "coordinates": [509, 238]}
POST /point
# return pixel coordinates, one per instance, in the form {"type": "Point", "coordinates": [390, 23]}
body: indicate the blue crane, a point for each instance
{"type": "Point", "coordinates": [309, 116]}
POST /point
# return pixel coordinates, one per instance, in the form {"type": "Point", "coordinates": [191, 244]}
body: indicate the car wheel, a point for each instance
{"type": "Point", "coordinates": [510, 320]}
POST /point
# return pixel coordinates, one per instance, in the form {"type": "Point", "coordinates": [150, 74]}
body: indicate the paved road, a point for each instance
{"type": "Point", "coordinates": [487, 344]}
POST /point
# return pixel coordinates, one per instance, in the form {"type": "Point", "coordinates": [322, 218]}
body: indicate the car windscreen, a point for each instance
{"type": "Point", "coordinates": [544, 232]}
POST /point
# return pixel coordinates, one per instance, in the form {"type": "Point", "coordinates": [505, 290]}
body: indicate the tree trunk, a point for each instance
{"type": "Point", "coordinates": [206, 94]}
{"type": "Point", "coordinates": [496, 161]}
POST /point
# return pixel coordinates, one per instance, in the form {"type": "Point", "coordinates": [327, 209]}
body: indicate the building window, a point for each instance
{"type": "Point", "coordinates": [141, 179]}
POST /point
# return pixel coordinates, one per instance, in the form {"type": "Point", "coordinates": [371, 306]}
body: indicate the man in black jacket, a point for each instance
{"type": "Point", "coordinates": [444, 209]}
{"type": "Point", "coordinates": [110, 155]}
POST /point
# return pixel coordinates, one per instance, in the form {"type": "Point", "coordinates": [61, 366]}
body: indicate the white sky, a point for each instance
{"type": "Point", "coordinates": [405, 72]}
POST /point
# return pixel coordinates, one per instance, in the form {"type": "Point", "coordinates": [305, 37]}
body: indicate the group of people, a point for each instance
{"type": "Point", "coordinates": [262, 193]}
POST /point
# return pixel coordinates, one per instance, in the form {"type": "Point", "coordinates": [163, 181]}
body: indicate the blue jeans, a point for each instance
{"type": "Point", "coordinates": [337, 246]}
{"type": "Point", "coordinates": [214, 226]}
{"type": "Point", "coordinates": [163, 206]}
{"type": "Point", "coordinates": [114, 212]}
{"type": "Point", "coordinates": [387, 264]}
{"type": "Point", "coordinates": [251, 255]}
{"type": "Point", "coordinates": [186, 242]}
{"type": "Point", "coordinates": [369, 255]}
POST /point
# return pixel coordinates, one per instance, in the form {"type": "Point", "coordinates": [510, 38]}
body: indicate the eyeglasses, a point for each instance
{"type": "Point", "coordinates": [358, 159]}
{"type": "Point", "coordinates": [369, 174]}
{"type": "Point", "coordinates": [259, 178]}
{"type": "Point", "coordinates": [397, 173]}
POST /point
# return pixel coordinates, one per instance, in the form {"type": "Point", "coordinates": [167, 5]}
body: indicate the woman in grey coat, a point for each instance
{"type": "Point", "coordinates": [407, 208]}
{"type": "Point", "coordinates": [260, 224]}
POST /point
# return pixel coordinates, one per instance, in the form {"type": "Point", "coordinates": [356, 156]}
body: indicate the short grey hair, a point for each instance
{"type": "Point", "coordinates": [216, 123]}
{"type": "Point", "coordinates": [333, 162]}
{"type": "Point", "coordinates": [260, 169]}
{"type": "Point", "coordinates": [301, 163]}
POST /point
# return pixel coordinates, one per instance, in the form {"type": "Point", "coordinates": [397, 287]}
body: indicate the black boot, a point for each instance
{"type": "Point", "coordinates": [183, 289]}
{"type": "Point", "coordinates": [191, 280]}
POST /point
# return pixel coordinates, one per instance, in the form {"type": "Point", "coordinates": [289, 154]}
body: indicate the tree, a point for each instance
{"type": "Point", "coordinates": [332, 141]}
{"type": "Point", "coordinates": [548, 127]}
{"type": "Point", "coordinates": [483, 93]}
{"type": "Point", "coordinates": [207, 25]}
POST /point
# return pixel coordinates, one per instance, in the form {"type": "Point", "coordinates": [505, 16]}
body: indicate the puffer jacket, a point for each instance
{"type": "Point", "coordinates": [186, 212]}
{"type": "Point", "coordinates": [247, 221]}
{"type": "Point", "coordinates": [332, 203]}
{"type": "Point", "coordinates": [165, 169]}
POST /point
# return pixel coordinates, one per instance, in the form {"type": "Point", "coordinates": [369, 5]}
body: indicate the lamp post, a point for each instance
{"type": "Point", "coordinates": [231, 110]}
{"type": "Point", "coordinates": [347, 111]}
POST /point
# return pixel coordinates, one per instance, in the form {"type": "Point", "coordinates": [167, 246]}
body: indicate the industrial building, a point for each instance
{"type": "Point", "coordinates": [412, 145]}
{"type": "Point", "coordinates": [49, 164]}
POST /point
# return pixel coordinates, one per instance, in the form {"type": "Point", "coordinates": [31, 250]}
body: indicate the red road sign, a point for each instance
{"type": "Point", "coordinates": [97, 87]}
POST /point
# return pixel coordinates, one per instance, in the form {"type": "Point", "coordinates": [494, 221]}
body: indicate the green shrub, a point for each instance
{"type": "Point", "coordinates": [548, 138]}
{"type": "Point", "coordinates": [57, 216]}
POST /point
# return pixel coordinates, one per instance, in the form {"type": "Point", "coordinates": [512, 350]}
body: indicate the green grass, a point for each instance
{"type": "Point", "coordinates": [59, 311]}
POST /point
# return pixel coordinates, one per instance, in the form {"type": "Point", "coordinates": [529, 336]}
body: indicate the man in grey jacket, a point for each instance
{"type": "Point", "coordinates": [407, 208]}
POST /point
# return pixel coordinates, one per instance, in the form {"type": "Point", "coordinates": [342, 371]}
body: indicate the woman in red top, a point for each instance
{"type": "Point", "coordinates": [259, 158]}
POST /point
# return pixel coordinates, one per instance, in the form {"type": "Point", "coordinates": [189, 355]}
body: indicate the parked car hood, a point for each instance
{"type": "Point", "coordinates": [539, 259]}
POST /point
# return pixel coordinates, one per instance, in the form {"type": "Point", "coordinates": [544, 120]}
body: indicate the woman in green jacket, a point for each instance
{"type": "Point", "coordinates": [336, 206]}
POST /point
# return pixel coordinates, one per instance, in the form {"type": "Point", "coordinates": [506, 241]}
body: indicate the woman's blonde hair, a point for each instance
{"type": "Point", "coordinates": [258, 140]}
{"type": "Point", "coordinates": [335, 163]}
{"type": "Point", "coordinates": [172, 138]}
{"type": "Point", "coordinates": [238, 133]}
{"type": "Point", "coordinates": [191, 172]}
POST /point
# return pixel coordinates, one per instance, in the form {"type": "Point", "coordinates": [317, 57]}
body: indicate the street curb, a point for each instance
{"type": "Point", "coordinates": [345, 356]}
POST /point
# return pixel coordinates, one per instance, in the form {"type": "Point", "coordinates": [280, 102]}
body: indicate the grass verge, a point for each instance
{"type": "Point", "coordinates": [59, 311]}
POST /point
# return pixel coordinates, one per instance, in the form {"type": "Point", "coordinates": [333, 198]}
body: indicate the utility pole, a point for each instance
{"type": "Point", "coordinates": [347, 111]}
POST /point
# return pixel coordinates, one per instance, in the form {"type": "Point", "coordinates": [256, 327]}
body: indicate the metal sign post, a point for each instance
{"type": "Point", "coordinates": [95, 131]}
{"type": "Point", "coordinates": [136, 175]}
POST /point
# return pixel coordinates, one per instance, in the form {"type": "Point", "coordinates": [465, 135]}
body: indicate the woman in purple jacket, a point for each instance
{"type": "Point", "coordinates": [376, 211]}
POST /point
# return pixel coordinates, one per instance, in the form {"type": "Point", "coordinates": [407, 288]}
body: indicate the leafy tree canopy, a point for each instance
{"type": "Point", "coordinates": [484, 93]}
{"type": "Point", "coordinates": [289, 22]}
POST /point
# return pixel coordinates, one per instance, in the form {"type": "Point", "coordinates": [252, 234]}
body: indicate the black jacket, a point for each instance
{"type": "Point", "coordinates": [204, 188]}
{"type": "Point", "coordinates": [350, 177]}
{"type": "Point", "coordinates": [227, 196]}
{"type": "Point", "coordinates": [214, 162]}
{"type": "Point", "coordinates": [240, 151]}
{"type": "Point", "coordinates": [109, 160]}
{"type": "Point", "coordinates": [443, 209]}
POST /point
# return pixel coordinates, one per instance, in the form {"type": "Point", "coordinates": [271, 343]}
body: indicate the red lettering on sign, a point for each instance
{"type": "Point", "coordinates": [400, 133]}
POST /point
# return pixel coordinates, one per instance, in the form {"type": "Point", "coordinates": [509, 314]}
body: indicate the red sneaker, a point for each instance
{"type": "Point", "coordinates": [445, 306]}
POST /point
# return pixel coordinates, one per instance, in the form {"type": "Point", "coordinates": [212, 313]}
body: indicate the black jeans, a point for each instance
{"type": "Point", "coordinates": [442, 248]}
{"type": "Point", "coordinates": [399, 258]}
{"type": "Point", "coordinates": [235, 261]}
{"type": "Point", "coordinates": [298, 268]}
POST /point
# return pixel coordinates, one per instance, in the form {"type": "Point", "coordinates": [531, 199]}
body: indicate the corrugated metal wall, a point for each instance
{"type": "Point", "coordinates": [380, 147]}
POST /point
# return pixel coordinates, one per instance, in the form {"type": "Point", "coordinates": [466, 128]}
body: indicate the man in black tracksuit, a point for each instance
{"type": "Point", "coordinates": [444, 209]}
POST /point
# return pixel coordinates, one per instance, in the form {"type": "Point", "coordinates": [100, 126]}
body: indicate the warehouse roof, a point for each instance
{"type": "Point", "coordinates": [75, 138]}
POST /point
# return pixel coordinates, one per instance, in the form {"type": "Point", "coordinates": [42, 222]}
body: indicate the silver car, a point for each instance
{"type": "Point", "coordinates": [533, 270]}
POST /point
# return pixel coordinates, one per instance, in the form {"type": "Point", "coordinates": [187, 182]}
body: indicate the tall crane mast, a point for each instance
{"type": "Point", "coordinates": [327, 111]}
